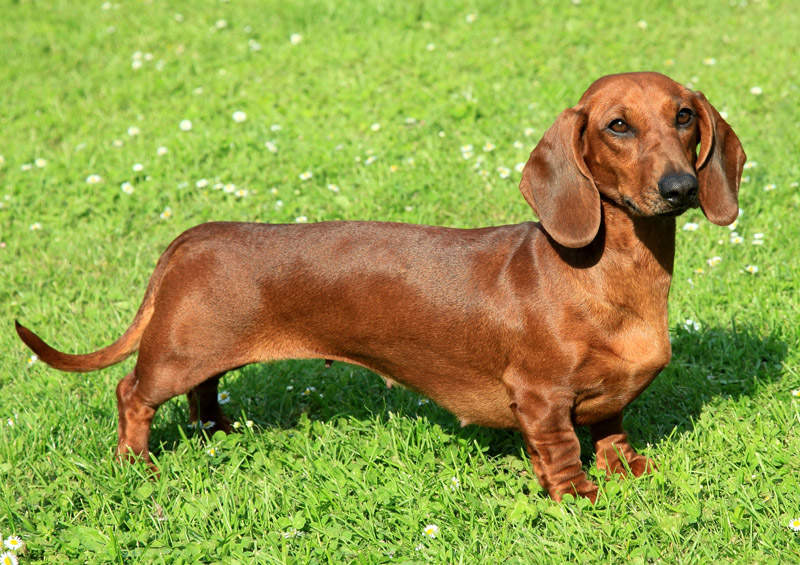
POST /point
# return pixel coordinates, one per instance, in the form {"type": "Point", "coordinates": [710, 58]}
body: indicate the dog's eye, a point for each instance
{"type": "Point", "coordinates": [684, 117]}
{"type": "Point", "coordinates": [618, 126]}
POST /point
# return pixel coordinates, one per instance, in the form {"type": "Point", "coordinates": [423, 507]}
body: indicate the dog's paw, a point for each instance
{"type": "Point", "coordinates": [641, 465]}
{"type": "Point", "coordinates": [635, 464]}
{"type": "Point", "coordinates": [580, 487]}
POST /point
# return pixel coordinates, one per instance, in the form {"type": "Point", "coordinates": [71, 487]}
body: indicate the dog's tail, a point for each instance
{"type": "Point", "coordinates": [114, 353]}
{"type": "Point", "coordinates": [111, 354]}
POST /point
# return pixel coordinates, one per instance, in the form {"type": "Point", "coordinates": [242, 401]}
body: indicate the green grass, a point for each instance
{"type": "Point", "coordinates": [351, 471]}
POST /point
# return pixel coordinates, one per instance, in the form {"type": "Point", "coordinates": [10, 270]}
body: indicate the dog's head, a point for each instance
{"type": "Point", "coordinates": [633, 139]}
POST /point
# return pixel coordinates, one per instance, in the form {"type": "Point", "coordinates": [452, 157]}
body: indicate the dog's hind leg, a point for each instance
{"type": "Point", "coordinates": [204, 407]}
{"type": "Point", "coordinates": [135, 417]}
{"type": "Point", "coordinates": [147, 387]}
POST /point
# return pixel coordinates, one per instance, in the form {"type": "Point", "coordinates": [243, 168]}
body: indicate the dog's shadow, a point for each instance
{"type": "Point", "coordinates": [706, 365]}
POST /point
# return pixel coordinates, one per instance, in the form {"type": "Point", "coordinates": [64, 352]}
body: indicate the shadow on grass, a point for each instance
{"type": "Point", "coordinates": [706, 364]}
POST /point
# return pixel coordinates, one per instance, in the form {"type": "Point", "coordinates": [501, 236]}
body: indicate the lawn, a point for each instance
{"type": "Point", "coordinates": [124, 123]}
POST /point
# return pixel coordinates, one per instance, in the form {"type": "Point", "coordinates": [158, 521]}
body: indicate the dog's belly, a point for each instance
{"type": "Point", "coordinates": [472, 398]}
{"type": "Point", "coordinates": [484, 406]}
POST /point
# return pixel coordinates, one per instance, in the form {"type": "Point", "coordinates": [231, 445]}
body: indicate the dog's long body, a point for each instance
{"type": "Point", "coordinates": [536, 326]}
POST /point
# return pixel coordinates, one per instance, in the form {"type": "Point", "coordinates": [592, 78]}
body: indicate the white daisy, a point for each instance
{"type": "Point", "coordinates": [691, 325]}
{"type": "Point", "coordinates": [14, 543]}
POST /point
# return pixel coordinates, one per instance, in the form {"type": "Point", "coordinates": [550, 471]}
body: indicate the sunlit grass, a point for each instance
{"type": "Point", "coordinates": [124, 123]}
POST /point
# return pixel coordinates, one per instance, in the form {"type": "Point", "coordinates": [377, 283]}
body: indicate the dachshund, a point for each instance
{"type": "Point", "coordinates": [540, 326]}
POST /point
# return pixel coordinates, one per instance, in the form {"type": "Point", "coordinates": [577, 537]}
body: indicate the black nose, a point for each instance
{"type": "Point", "coordinates": [678, 188]}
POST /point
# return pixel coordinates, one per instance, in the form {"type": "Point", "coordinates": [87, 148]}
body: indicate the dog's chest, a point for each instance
{"type": "Point", "coordinates": [616, 370]}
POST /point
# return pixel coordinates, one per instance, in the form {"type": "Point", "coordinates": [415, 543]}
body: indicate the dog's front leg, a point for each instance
{"type": "Point", "coordinates": [546, 425]}
{"type": "Point", "coordinates": [614, 453]}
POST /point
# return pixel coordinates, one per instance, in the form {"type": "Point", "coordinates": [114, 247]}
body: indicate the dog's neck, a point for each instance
{"type": "Point", "coordinates": [643, 245]}
{"type": "Point", "coordinates": [649, 239]}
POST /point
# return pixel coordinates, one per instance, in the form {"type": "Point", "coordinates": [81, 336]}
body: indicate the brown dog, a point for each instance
{"type": "Point", "coordinates": [536, 326]}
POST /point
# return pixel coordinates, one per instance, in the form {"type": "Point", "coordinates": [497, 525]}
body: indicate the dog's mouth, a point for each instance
{"type": "Point", "coordinates": [661, 208]}
{"type": "Point", "coordinates": [674, 212]}
{"type": "Point", "coordinates": [678, 209]}
{"type": "Point", "coordinates": [631, 205]}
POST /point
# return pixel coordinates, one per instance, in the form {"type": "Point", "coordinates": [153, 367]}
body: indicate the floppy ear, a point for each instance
{"type": "Point", "coordinates": [558, 185]}
{"type": "Point", "coordinates": [719, 165]}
